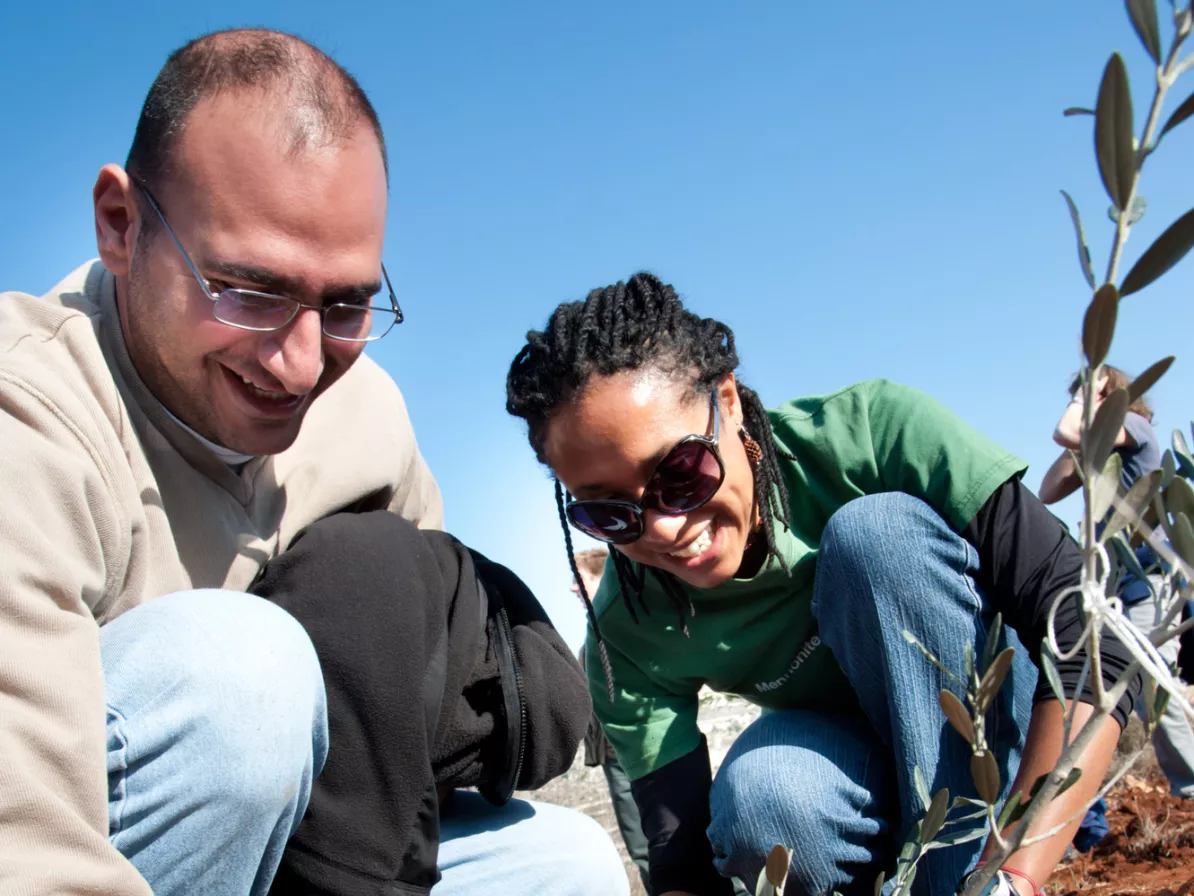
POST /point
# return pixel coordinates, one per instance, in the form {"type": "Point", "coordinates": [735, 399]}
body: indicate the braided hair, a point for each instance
{"type": "Point", "coordinates": [624, 327]}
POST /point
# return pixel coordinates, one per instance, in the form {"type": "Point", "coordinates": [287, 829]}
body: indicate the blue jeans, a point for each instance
{"type": "Point", "coordinates": [217, 726]}
{"type": "Point", "coordinates": [838, 788]}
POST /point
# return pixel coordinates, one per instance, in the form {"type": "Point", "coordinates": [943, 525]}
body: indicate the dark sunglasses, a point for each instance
{"type": "Point", "coordinates": [685, 480]}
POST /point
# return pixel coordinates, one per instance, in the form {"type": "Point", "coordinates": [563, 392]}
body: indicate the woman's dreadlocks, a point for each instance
{"type": "Point", "coordinates": [625, 327]}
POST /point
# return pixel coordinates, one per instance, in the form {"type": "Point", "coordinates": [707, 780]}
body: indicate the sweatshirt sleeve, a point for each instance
{"type": "Point", "coordinates": [61, 540]}
{"type": "Point", "coordinates": [673, 801]}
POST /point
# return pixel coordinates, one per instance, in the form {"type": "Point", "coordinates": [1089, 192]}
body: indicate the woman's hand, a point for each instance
{"type": "Point", "coordinates": [1068, 433]}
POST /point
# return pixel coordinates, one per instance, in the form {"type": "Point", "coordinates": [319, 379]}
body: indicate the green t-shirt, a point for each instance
{"type": "Point", "coordinates": [757, 638]}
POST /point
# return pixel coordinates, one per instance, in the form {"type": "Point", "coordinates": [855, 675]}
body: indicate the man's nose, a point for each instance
{"type": "Point", "coordinates": [294, 354]}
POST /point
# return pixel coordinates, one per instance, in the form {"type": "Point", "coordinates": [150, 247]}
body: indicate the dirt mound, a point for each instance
{"type": "Point", "coordinates": [1149, 852]}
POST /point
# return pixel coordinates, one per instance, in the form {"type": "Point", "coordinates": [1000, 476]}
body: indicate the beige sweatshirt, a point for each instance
{"type": "Point", "coordinates": [106, 502]}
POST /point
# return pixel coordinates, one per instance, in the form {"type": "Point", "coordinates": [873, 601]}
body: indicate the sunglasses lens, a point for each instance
{"type": "Point", "coordinates": [614, 523]}
{"type": "Point", "coordinates": [688, 477]}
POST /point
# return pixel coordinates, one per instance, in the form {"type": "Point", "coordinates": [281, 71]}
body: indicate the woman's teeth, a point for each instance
{"type": "Point", "coordinates": [699, 545]}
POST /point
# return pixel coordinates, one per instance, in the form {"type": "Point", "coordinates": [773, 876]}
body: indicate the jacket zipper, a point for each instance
{"type": "Point", "coordinates": [504, 622]}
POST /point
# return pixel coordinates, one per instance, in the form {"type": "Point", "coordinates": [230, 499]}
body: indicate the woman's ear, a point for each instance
{"type": "Point", "coordinates": [730, 400]}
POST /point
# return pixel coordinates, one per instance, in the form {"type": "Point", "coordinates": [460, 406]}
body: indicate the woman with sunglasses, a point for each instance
{"type": "Point", "coordinates": [781, 555]}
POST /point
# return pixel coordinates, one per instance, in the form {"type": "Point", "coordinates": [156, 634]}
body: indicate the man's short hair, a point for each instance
{"type": "Point", "coordinates": [324, 103]}
{"type": "Point", "coordinates": [592, 561]}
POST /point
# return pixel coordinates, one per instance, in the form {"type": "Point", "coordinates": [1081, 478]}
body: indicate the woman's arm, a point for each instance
{"type": "Point", "coordinates": [1041, 752]}
{"type": "Point", "coordinates": [1061, 479]}
{"type": "Point", "coordinates": [1068, 432]}
{"type": "Point", "coordinates": [673, 802]}
{"type": "Point", "coordinates": [1026, 559]}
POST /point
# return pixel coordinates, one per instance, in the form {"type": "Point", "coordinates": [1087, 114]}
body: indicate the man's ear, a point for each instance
{"type": "Point", "coordinates": [117, 218]}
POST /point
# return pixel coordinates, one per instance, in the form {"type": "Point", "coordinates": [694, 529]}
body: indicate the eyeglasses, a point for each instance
{"type": "Point", "coordinates": [686, 479]}
{"type": "Point", "coordinates": [248, 309]}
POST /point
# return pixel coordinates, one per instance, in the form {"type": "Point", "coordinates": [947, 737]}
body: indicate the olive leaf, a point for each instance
{"type": "Point", "coordinates": [993, 680]}
{"type": "Point", "coordinates": [1179, 498]}
{"type": "Point", "coordinates": [1050, 669]}
{"type": "Point", "coordinates": [1182, 537]}
{"type": "Point", "coordinates": [1113, 132]}
{"type": "Point", "coordinates": [1166, 251]}
{"type": "Point", "coordinates": [922, 787]}
{"type": "Point", "coordinates": [935, 816]}
{"type": "Point", "coordinates": [1143, 14]}
{"type": "Point", "coordinates": [956, 714]}
{"type": "Point", "coordinates": [777, 865]}
{"type": "Point", "coordinates": [1098, 327]}
{"type": "Point", "coordinates": [1017, 804]}
{"type": "Point", "coordinates": [1011, 811]}
{"type": "Point", "coordinates": [1108, 421]}
{"type": "Point", "coordinates": [985, 773]}
{"type": "Point", "coordinates": [1181, 454]}
{"type": "Point", "coordinates": [1180, 114]}
{"type": "Point", "coordinates": [1148, 379]}
{"type": "Point", "coordinates": [1139, 496]}
{"type": "Point", "coordinates": [1083, 249]}
{"type": "Point", "coordinates": [1070, 780]}
{"type": "Point", "coordinates": [1104, 487]}
{"type": "Point", "coordinates": [991, 645]}
{"type": "Point", "coordinates": [1168, 468]}
{"type": "Point", "coordinates": [953, 838]}
{"type": "Point", "coordinates": [1128, 558]}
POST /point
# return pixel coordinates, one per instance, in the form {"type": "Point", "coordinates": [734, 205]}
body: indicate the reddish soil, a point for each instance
{"type": "Point", "coordinates": [1149, 852]}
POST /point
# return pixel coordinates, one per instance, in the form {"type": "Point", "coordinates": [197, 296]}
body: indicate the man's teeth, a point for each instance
{"type": "Point", "coordinates": [264, 393]}
{"type": "Point", "coordinates": [698, 546]}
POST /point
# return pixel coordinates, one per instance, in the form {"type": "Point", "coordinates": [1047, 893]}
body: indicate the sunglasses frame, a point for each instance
{"type": "Point", "coordinates": [634, 531]}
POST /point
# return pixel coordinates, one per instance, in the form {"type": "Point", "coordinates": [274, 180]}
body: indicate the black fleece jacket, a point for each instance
{"type": "Point", "coordinates": [441, 668]}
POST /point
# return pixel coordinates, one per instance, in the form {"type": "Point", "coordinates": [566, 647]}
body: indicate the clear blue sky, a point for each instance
{"type": "Point", "coordinates": [859, 189]}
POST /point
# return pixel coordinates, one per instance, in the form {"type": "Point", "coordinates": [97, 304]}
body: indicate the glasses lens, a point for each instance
{"type": "Point", "coordinates": [688, 477]}
{"type": "Point", "coordinates": [254, 310]}
{"type": "Point", "coordinates": [357, 323]}
{"type": "Point", "coordinates": [616, 523]}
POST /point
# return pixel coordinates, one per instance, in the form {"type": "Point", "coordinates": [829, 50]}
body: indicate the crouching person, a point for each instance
{"type": "Point", "coordinates": [442, 671]}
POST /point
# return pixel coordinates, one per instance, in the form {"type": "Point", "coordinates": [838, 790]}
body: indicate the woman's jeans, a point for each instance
{"type": "Point", "coordinates": [217, 726]}
{"type": "Point", "coordinates": [839, 789]}
{"type": "Point", "coordinates": [1173, 738]}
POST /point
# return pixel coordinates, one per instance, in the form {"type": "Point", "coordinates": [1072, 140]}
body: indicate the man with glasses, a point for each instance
{"type": "Point", "coordinates": [165, 432]}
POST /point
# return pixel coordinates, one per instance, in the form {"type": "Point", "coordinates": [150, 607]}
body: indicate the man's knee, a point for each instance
{"type": "Point", "coordinates": [525, 847]}
{"type": "Point", "coordinates": [585, 857]}
{"type": "Point", "coordinates": [226, 681]}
